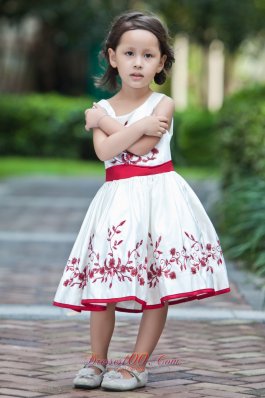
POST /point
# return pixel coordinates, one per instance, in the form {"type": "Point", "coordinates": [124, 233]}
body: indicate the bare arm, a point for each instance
{"type": "Point", "coordinates": [146, 142]}
{"type": "Point", "coordinates": [144, 145]}
{"type": "Point", "coordinates": [106, 147]}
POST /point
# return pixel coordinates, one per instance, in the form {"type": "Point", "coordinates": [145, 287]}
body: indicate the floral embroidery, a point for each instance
{"type": "Point", "coordinates": [129, 158]}
{"type": "Point", "coordinates": [196, 257]}
{"type": "Point", "coordinates": [81, 277]}
{"type": "Point", "coordinates": [114, 267]}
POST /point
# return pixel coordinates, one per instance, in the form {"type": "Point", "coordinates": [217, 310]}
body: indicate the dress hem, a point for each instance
{"type": "Point", "coordinates": [88, 305]}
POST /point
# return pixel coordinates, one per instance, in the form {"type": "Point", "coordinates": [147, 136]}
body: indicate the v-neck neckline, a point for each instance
{"type": "Point", "coordinates": [129, 113]}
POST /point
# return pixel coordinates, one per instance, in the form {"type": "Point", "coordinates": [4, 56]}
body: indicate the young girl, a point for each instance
{"type": "Point", "coordinates": [146, 241]}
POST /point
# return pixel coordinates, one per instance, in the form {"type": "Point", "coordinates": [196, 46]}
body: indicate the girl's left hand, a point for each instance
{"type": "Point", "coordinates": [93, 115]}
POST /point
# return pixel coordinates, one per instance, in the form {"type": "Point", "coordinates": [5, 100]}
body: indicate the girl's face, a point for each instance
{"type": "Point", "coordinates": [137, 58]}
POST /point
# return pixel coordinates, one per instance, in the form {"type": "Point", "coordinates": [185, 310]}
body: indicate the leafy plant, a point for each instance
{"type": "Point", "coordinates": [242, 221]}
{"type": "Point", "coordinates": [47, 125]}
{"type": "Point", "coordinates": [195, 140]}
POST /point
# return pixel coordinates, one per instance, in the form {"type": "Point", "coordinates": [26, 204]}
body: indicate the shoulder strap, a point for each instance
{"type": "Point", "coordinates": [155, 99]}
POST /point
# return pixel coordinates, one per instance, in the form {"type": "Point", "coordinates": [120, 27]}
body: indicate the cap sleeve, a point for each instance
{"type": "Point", "coordinates": [106, 106]}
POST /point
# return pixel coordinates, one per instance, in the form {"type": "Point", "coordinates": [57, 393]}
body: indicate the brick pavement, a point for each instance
{"type": "Point", "coordinates": [39, 218]}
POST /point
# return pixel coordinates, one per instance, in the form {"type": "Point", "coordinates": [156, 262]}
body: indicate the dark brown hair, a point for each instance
{"type": "Point", "coordinates": [131, 21]}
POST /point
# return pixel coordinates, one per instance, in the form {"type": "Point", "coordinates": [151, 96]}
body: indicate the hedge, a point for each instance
{"type": "Point", "coordinates": [242, 211]}
{"type": "Point", "coordinates": [46, 125]}
{"type": "Point", "coordinates": [241, 126]}
{"type": "Point", "coordinates": [195, 141]}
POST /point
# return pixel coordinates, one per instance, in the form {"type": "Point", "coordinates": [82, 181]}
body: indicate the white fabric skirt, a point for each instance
{"type": "Point", "coordinates": [144, 241]}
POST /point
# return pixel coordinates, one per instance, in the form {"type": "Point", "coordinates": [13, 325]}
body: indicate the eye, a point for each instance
{"type": "Point", "coordinates": [148, 55]}
{"type": "Point", "coordinates": [129, 53]}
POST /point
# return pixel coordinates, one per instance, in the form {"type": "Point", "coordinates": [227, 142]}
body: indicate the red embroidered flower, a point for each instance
{"type": "Point", "coordinates": [111, 263]}
{"type": "Point", "coordinates": [203, 261]}
{"type": "Point", "coordinates": [127, 157]}
{"type": "Point", "coordinates": [141, 280]}
{"type": "Point", "coordinates": [134, 272]}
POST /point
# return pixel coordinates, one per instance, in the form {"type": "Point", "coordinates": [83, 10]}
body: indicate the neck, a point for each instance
{"type": "Point", "coordinates": [134, 94]}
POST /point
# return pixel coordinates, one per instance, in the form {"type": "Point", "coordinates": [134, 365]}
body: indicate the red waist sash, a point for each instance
{"type": "Point", "coordinates": [130, 170]}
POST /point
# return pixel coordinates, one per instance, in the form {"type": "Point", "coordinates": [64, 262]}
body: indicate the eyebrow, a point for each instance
{"type": "Point", "coordinates": [133, 48]}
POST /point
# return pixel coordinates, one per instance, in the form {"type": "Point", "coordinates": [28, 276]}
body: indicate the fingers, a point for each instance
{"type": "Point", "coordinates": [163, 119]}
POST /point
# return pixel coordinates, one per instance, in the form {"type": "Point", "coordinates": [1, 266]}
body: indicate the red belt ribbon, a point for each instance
{"type": "Point", "coordinates": [130, 170]}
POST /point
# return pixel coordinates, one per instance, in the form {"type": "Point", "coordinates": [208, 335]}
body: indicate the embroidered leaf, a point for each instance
{"type": "Point", "coordinates": [120, 241]}
{"type": "Point", "coordinates": [129, 253]}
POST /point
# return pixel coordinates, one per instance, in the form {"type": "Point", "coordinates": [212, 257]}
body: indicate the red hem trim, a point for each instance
{"type": "Point", "coordinates": [87, 305]}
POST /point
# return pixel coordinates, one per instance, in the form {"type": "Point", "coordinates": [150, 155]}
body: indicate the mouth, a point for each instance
{"type": "Point", "coordinates": [136, 75]}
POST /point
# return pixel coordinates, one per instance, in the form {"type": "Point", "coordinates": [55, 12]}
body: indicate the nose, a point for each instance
{"type": "Point", "coordinates": [138, 62]}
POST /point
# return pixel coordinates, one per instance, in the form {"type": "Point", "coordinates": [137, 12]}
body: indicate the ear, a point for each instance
{"type": "Point", "coordinates": [161, 63]}
{"type": "Point", "coordinates": [112, 57]}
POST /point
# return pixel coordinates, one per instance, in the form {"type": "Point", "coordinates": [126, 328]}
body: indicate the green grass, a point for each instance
{"type": "Point", "coordinates": [21, 166]}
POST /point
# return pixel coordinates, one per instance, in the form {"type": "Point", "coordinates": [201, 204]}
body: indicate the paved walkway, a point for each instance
{"type": "Point", "coordinates": [209, 348]}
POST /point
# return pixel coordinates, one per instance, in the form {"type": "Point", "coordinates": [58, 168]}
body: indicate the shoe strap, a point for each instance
{"type": "Point", "coordinates": [98, 365]}
{"type": "Point", "coordinates": [133, 372]}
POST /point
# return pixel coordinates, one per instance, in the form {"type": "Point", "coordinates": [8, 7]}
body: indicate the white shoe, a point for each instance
{"type": "Point", "coordinates": [87, 377]}
{"type": "Point", "coordinates": [114, 380]}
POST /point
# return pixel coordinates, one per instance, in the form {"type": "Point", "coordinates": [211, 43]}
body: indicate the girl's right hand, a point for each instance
{"type": "Point", "coordinates": [93, 116]}
{"type": "Point", "coordinates": [155, 125]}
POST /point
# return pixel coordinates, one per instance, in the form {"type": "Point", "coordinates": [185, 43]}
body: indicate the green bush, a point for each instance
{"type": "Point", "coordinates": [47, 125]}
{"type": "Point", "coordinates": [242, 222]}
{"type": "Point", "coordinates": [241, 125]}
{"type": "Point", "coordinates": [195, 141]}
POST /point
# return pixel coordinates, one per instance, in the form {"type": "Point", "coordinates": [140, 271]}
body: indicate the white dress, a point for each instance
{"type": "Point", "coordinates": [145, 239]}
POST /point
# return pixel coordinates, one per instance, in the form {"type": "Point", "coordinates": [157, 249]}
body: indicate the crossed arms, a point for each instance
{"type": "Point", "coordinates": [110, 137]}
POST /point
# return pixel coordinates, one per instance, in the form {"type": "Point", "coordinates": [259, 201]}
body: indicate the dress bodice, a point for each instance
{"type": "Point", "coordinates": [159, 154]}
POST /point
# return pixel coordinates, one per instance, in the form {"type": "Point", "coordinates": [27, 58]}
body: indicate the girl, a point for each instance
{"type": "Point", "coordinates": [146, 241]}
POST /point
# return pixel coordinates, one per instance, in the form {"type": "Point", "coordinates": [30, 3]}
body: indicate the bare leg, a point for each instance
{"type": "Point", "coordinates": [101, 329]}
{"type": "Point", "coordinates": [150, 330]}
